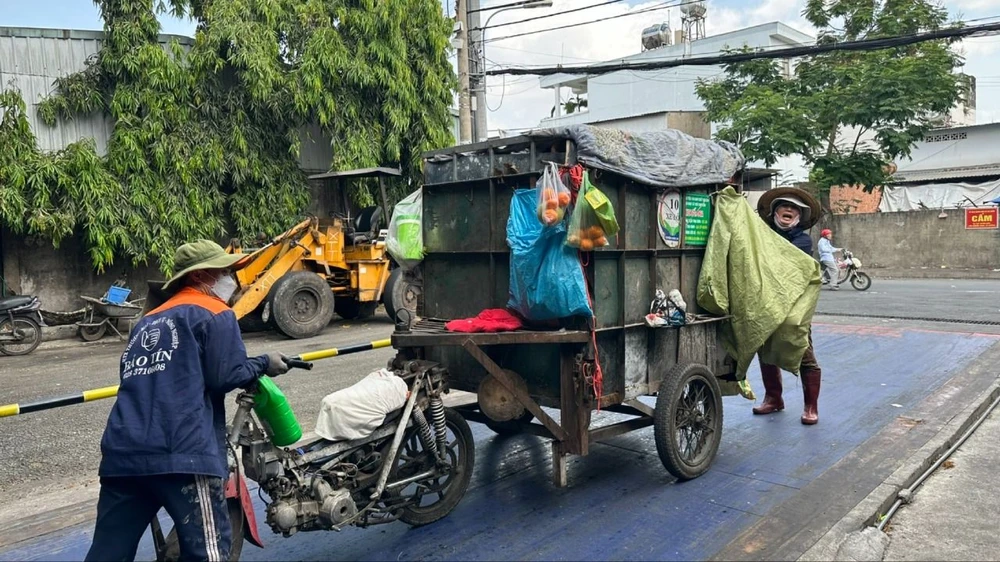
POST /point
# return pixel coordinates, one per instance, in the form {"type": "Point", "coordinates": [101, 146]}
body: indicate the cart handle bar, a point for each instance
{"type": "Point", "coordinates": [303, 361]}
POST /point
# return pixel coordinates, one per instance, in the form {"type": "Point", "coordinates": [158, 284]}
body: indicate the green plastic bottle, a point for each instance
{"type": "Point", "coordinates": [274, 412]}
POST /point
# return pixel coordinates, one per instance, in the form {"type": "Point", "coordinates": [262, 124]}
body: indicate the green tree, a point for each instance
{"type": "Point", "coordinates": [847, 114]}
{"type": "Point", "coordinates": [206, 139]}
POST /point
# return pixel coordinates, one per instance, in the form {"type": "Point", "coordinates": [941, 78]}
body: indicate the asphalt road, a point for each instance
{"type": "Point", "coordinates": [59, 449]}
{"type": "Point", "coordinates": [918, 298]}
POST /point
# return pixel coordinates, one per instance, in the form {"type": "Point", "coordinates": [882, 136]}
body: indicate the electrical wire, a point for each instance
{"type": "Point", "coordinates": [552, 15]}
{"type": "Point", "coordinates": [657, 7]}
{"type": "Point", "coordinates": [779, 53]}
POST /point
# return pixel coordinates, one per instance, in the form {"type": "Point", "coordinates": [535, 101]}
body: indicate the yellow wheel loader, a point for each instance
{"type": "Point", "coordinates": [319, 267]}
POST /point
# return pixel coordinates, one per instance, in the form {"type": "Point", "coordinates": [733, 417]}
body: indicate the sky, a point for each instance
{"type": "Point", "coordinates": [518, 102]}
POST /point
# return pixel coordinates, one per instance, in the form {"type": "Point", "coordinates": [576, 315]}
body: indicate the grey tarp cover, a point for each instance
{"type": "Point", "coordinates": [768, 286]}
{"type": "Point", "coordinates": [666, 158]}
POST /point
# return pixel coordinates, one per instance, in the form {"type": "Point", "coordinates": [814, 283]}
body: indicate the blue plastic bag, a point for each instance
{"type": "Point", "coordinates": [546, 280]}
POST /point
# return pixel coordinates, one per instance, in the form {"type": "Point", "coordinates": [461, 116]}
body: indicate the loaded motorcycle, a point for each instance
{"type": "Point", "coordinates": [850, 270]}
{"type": "Point", "coordinates": [415, 467]}
{"type": "Point", "coordinates": [20, 325]}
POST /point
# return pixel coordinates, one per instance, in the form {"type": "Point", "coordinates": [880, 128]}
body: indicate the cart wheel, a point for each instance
{"type": "Point", "coordinates": [301, 304]}
{"type": "Point", "coordinates": [172, 552]}
{"type": "Point", "coordinates": [93, 332]}
{"type": "Point", "coordinates": [512, 427]}
{"type": "Point", "coordinates": [861, 281]}
{"type": "Point", "coordinates": [688, 420]}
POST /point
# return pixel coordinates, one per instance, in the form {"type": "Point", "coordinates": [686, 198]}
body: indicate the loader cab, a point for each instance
{"type": "Point", "coordinates": [360, 226]}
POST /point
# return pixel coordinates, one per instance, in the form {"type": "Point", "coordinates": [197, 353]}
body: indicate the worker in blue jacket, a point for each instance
{"type": "Point", "coordinates": [791, 212]}
{"type": "Point", "coordinates": [165, 444]}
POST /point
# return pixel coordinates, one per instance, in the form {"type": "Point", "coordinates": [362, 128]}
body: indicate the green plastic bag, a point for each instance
{"type": "Point", "coordinates": [587, 225]}
{"type": "Point", "coordinates": [602, 207]}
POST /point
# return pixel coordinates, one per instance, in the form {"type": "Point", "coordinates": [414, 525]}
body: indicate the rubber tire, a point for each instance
{"type": "Point", "coordinates": [394, 294]}
{"type": "Point", "coordinates": [21, 319]}
{"type": "Point", "coordinates": [172, 552]}
{"type": "Point", "coordinates": [351, 309]}
{"type": "Point", "coordinates": [663, 419]}
{"type": "Point", "coordinates": [456, 490]}
{"type": "Point", "coordinates": [254, 321]}
{"type": "Point", "coordinates": [283, 300]}
{"type": "Point", "coordinates": [861, 281]}
{"type": "Point", "coordinates": [512, 427]}
{"type": "Point", "coordinates": [92, 333]}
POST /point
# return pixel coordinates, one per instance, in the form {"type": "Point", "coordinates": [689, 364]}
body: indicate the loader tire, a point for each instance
{"type": "Point", "coordinates": [301, 304]}
{"type": "Point", "coordinates": [401, 291]}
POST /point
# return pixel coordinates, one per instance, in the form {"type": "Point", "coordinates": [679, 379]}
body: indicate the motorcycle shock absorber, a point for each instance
{"type": "Point", "coordinates": [424, 430]}
{"type": "Point", "coordinates": [436, 408]}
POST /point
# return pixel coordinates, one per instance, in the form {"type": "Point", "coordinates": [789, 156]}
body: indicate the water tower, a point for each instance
{"type": "Point", "coordinates": [693, 20]}
{"type": "Point", "coordinates": [656, 36]}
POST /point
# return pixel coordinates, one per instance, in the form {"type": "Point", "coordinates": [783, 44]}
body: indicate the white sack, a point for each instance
{"type": "Point", "coordinates": [358, 410]}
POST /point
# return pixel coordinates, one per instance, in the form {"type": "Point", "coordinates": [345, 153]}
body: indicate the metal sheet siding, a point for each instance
{"type": "Point", "coordinates": [31, 59]}
{"type": "Point", "coordinates": [32, 64]}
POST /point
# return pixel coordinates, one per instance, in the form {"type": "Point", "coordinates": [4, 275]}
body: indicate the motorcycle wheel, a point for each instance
{"type": "Point", "coordinates": [861, 281]}
{"type": "Point", "coordinates": [19, 336]}
{"type": "Point", "coordinates": [172, 552]}
{"type": "Point", "coordinates": [435, 497]}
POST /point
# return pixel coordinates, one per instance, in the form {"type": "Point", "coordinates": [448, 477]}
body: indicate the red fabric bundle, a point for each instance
{"type": "Point", "coordinates": [492, 320]}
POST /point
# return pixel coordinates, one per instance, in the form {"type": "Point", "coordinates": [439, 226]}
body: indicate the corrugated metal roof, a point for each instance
{"type": "Point", "coordinates": [920, 176]}
{"type": "Point", "coordinates": [32, 58]}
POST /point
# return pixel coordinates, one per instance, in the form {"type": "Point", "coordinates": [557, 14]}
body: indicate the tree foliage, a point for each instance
{"type": "Point", "coordinates": [848, 114]}
{"type": "Point", "coordinates": [206, 137]}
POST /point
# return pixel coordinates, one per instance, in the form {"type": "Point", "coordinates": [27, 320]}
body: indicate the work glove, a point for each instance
{"type": "Point", "coordinates": [277, 364]}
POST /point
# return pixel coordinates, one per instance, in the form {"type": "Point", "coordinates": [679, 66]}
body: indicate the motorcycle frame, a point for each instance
{"type": "Point", "coordinates": [240, 435]}
{"type": "Point", "coordinates": [30, 310]}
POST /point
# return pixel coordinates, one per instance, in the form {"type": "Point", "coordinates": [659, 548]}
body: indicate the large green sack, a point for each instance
{"type": "Point", "coordinates": [768, 286]}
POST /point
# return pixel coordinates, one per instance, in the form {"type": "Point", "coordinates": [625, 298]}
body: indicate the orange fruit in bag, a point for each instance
{"type": "Point", "coordinates": [564, 199]}
{"type": "Point", "coordinates": [600, 242]}
{"type": "Point", "coordinates": [548, 193]}
{"type": "Point", "coordinates": [551, 217]}
{"type": "Point", "coordinates": [586, 245]}
{"type": "Point", "coordinates": [551, 204]}
{"type": "Point", "coordinates": [595, 232]}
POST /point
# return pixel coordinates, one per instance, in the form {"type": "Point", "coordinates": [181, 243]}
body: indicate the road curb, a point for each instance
{"type": "Point", "coordinates": [880, 500]}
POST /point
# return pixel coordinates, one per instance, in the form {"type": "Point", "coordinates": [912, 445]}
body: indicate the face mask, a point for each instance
{"type": "Point", "coordinates": [788, 227]}
{"type": "Point", "coordinates": [224, 287]}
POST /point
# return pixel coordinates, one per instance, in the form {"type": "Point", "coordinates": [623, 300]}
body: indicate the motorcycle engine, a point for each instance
{"type": "Point", "coordinates": [317, 506]}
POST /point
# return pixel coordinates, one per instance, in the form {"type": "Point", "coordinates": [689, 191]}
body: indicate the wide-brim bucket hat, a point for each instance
{"type": "Point", "coordinates": [811, 210]}
{"type": "Point", "coordinates": [202, 254]}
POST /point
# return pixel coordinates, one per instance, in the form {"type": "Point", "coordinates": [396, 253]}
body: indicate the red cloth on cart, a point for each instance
{"type": "Point", "coordinates": [491, 320]}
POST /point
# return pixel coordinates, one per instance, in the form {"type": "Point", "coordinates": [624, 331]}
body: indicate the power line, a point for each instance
{"type": "Point", "coordinates": [598, 20]}
{"type": "Point", "coordinates": [781, 53]}
{"type": "Point", "coordinates": [502, 6]}
{"type": "Point", "coordinates": [564, 12]}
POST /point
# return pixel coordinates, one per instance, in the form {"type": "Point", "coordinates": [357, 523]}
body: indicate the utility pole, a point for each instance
{"type": "Point", "coordinates": [477, 63]}
{"type": "Point", "coordinates": [463, 53]}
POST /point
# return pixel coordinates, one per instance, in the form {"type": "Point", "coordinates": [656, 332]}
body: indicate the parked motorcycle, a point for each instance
{"type": "Point", "coordinates": [415, 468]}
{"type": "Point", "coordinates": [20, 325]}
{"type": "Point", "coordinates": [850, 270]}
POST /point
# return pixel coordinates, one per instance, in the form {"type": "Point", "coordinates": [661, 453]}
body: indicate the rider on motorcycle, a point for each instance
{"type": "Point", "coordinates": [164, 445]}
{"type": "Point", "coordinates": [827, 260]}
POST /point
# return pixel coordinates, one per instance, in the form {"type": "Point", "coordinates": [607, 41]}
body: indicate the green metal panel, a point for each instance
{"type": "Point", "coordinates": [607, 290]}
{"type": "Point", "coordinates": [638, 293]}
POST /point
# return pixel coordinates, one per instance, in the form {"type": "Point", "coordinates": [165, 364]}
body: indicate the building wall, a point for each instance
{"type": "Point", "coordinates": [626, 94]}
{"type": "Point", "coordinates": [845, 200]}
{"type": "Point", "coordinates": [59, 276]}
{"type": "Point", "coordinates": [915, 240]}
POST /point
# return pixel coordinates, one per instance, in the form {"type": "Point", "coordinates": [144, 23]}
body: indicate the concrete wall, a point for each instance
{"type": "Point", "coordinates": [915, 240]}
{"type": "Point", "coordinates": [58, 276]}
